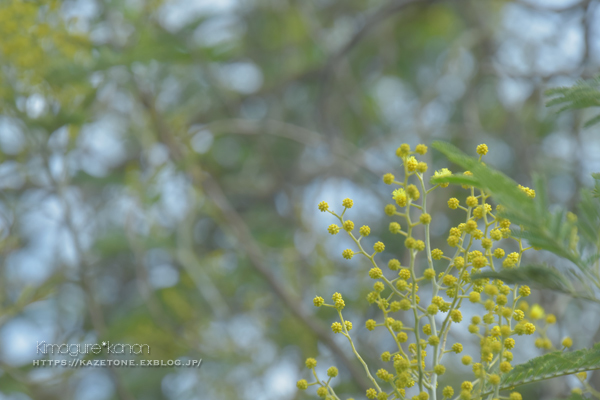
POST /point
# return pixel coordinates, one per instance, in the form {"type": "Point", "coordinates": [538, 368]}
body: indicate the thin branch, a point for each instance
{"type": "Point", "coordinates": [566, 8]}
{"type": "Point", "coordinates": [385, 12]}
{"type": "Point", "coordinates": [240, 230]}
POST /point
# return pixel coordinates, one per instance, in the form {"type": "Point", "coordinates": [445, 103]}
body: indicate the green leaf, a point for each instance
{"type": "Point", "coordinates": [531, 220]}
{"type": "Point", "coordinates": [504, 189]}
{"type": "Point", "coordinates": [592, 121]}
{"type": "Point", "coordinates": [543, 277]}
{"type": "Point", "coordinates": [584, 94]}
{"type": "Point", "coordinates": [457, 180]}
{"type": "Point", "coordinates": [577, 396]}
{"type": "Point", "coordinates": [552, 365]}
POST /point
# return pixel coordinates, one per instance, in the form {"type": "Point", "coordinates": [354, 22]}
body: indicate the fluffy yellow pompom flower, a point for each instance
{"type": "Point", "coordinates": [448, 392]}
{"type": "Point", "coordinates": [413, 192]}
{"type": "Point", "coordinates": [388, 179]}
{"type": "Point", "coordinates": [419, 245]}
{"type": "Point", "coordinates": [404, 274]}
{"type": "Point", "coordinates": [437, 254]}
{"type": "Point", "coordinates": [371, 393]}
{"type": "Point", "coordinates": [494, 379]}
{"type": "Point", "coordinates": [336, 327]}
{"type": "Point", "coordinates": [453, 241]}
{"type": "Point", "coordinates": [472, 201]}
{"type": "Point", "coordinates": [421, 149]}
{"type": "Point", "coordinates": [474, 297]}
{"type": "Point", "coordinates": [333, 229]}
{"type": "Point", "coordinates": [332, 372]}
{"type": "Point", "coordinates": [311, 363]}
{"type": "Point", "coordinates": [441, 174]}
{"type": "Point", "coordinates": [347, 203]}
{"type": "Point", "coordinates": [302, 384]}
{"type": "Point", "coordinates": [323, 206]}
{"type": "Point", "coordinates": [479, 262]}
{"type": "Point", "coordinates": [499, 253]}
{"type": "Point", "coordinates": [453, 203]}
{"type": "Point", "coordinates": [348, 226]}
{"type": "Point", "coordinates": [403, 150]}
{"type": "Point", "coordinates": [379, 247]}
{"type": "Point", "coordinates": [478, 212]}
{"type": "Point", "coordinates": [495, 234]}
{"type": "Point", "coordinates": [347, 254]}
{"type": "Point", "coordinates": [515, 396]}
{"type": "Point", "coordinates": [370, 324]}
{"type": "Point", "coordinates": [509, 343]}
{"type": "Point", "coordinates": [456, 316]}
{"type": "Point", "coordinates": [519, 315]}
{"type": "Point", "coordinates": [427, 329]}
{"type": "Point", "coordinates": [395, 227]}
{"type": "Point", "coordinates": [375, 273]}
{"type": "Point", "coordinates": [425, 218]}
{"type": "Point", "coordinates": [411, 164]}
{"type": "Point", "coordinates": [482, 149]}
{"type": "Point", "coordinates": [364, 230]}
{"type": "Point", "coordinates": [400, 196]}
{"type": "Point", "coordinates": [390, 209]}
{"type": "Point", "coordinates": [529, 328]}
{"type": "Point", "coordinates": [505, 366]}
{"type": "Point", "coordinates": [536, 312]}
{"type": "Point", "coordinates": [318, 301]}
{"type": "Point", "coordinates": [394, 264]}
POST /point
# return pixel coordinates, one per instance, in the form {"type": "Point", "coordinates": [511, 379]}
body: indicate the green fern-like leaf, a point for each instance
{"type": "Point", "coordinates": [457, 180]}
{"type": "Point", "coordinates": [532, 220]}
{"type": "Point", "coordinates": [577, 396]}
{"type": "Point", "coordinates": [544, 277]}
{"type": "Point", "coordinates": [596, 190]}
{"type": "Point", "coordinates": [552, 365]}
{"type": "Point", "coordinates": [584, 94]}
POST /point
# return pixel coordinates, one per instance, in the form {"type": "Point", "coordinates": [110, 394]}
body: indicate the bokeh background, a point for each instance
{"type": "Point", "coordinates": [161, 163]}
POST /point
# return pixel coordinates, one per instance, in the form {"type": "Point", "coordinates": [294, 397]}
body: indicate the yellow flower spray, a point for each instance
{"type": "Point", "coordinates": [410, 320]}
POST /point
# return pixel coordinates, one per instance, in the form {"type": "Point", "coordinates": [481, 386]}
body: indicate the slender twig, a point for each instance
{"type": "Point", "coordinates": [236, 225]}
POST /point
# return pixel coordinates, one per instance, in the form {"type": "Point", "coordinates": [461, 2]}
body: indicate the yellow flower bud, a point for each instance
{"type": "Point", "coordinates": [388, 179]}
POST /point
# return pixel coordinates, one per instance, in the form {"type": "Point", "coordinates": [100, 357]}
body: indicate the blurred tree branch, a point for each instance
{"type": "Point", "coordinates": [234, 223]}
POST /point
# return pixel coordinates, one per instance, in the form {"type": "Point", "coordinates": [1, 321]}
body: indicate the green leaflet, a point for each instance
{"type": "Point", "coordinates": [503, 188]}
{"type": "Point", "coordinates": [544, 277]}
{"type": "Point", "coordinates": [576, 396]}
{"type": "Point", "coordinates": [584, 94]}
{"type": "Point", "coordinates": [457, 179]}
{"type": "Point", "coordinates": [551, 365]}
{"type": "Point", "coordinates": [541, 228]}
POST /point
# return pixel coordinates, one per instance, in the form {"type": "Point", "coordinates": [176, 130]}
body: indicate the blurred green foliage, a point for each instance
{"type": "Point", "coordinates": [148, 140]}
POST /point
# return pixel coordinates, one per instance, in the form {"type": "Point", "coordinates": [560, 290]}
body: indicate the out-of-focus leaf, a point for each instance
{"type": "Point", "coordinates": [457, 179]}
{"type": "Point", "coordinates": [551, 365]}
{"type": "Point", "coordinates": [542, 277]}
{"type": "Point", "coordinates": [584, 94]}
